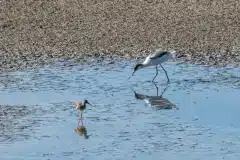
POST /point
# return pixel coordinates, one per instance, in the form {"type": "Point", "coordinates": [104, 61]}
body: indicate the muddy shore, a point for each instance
{"type": "Point", "coordinates": [34, 33]}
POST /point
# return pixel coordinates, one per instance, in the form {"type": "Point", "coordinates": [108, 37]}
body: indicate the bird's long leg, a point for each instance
{"type": "Point", "coordinates": [79, 122]}
{"type": "Point", "coordinates": [81, 116]}
{"type": "Point", "coordinates": [156, 88]}
{"type": "Point", "coordinates": [165, 73]}
{"type": "Point", "coordinates": [164, 90]}
{"type": "Point", "coordinates": [156, 73]}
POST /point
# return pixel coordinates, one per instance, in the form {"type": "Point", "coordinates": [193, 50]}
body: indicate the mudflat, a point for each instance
{"type": "Point", "coordinates": [34, 33]}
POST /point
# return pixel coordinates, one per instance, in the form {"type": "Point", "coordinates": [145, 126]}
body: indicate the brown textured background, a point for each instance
{"type": "Point", "coordinates": [206, 31]}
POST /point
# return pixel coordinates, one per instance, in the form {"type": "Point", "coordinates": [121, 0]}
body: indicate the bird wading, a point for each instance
{"type": "Point", "coordinates": [155, 59]}
{"type": "Point", "coordinates": [81, 106]}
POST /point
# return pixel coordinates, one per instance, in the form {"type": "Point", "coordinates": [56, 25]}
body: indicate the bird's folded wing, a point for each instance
{"type": "Point", "coordinates": [158, 55]}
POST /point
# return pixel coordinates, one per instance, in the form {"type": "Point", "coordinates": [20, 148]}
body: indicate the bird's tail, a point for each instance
{"type": "Point", "coordinates": [173, 54]}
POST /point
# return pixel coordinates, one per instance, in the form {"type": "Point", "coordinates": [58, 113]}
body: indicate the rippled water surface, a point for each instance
{"type": "Point", "coordinates": [197, 116]}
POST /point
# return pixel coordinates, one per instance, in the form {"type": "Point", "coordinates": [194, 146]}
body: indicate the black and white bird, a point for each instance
{"type": "Point", "coordinates": [155, 59]}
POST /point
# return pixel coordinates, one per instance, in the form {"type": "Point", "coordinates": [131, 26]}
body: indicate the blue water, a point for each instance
{"type": "Point", "coordinates": [206, 125]}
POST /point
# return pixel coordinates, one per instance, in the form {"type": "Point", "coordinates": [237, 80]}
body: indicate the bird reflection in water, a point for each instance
{"type": "Point", "coordinates": [81, 130]}
{"type": "Point", "coordinates": [157, 101]}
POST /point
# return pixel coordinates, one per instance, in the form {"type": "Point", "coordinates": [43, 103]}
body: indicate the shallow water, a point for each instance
{"type": "Point", "coordinates": [38, 119]}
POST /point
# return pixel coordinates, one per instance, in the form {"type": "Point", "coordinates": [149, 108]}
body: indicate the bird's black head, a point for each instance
{"type": "Point", "coordinates": [86, 102]}
{"type": "Point", "coordinates": [137, 67]}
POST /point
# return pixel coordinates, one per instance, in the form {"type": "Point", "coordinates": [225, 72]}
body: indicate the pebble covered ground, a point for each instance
{"type": "Point", "coordinates": [35, 33]}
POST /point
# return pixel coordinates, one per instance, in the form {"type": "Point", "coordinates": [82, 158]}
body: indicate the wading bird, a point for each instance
{"type": "Point", "coordinates": [155, 59]}
{"type": "Point", "coordinates": [81, 106]}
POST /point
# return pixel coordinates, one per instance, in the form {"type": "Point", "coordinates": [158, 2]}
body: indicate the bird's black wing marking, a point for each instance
{"type": "Point", "coordinates": [158, 55]}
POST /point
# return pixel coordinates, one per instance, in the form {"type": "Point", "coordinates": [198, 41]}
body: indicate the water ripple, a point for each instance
{"type": "Point", "coordinates": [127, 117]}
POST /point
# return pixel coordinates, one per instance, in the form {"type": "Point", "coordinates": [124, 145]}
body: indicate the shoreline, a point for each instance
{"type": "Point", "coordinates": [22, 64]}
{"type": "Point", "coordinates": [37, 33]}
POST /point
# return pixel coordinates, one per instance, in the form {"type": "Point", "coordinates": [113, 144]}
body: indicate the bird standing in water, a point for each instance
{"type": "Point", "coordinates": [81, 106]}
{"type": "Point", "coordinates": [155, 59]}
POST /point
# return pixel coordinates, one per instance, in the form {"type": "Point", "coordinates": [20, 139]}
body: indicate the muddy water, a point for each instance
{"type": "Point", "coordinates": [196, 116]}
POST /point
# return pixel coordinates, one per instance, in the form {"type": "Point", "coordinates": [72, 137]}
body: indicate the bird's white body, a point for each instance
{"type": "Point", "coordinates": [153, 62]}
{"type": "Point", "coordinates": [157, 58]}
